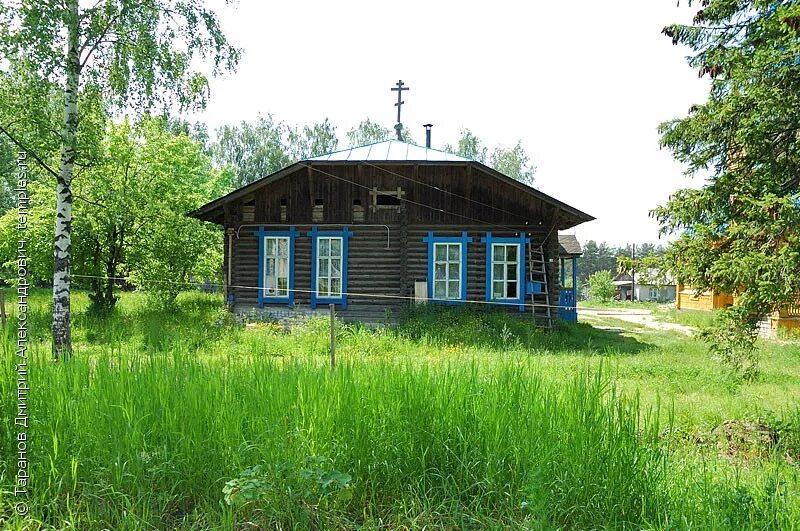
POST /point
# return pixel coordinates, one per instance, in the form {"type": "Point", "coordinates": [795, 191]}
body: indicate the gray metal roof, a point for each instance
{"type": "Point", "coordinates": [390, 150]}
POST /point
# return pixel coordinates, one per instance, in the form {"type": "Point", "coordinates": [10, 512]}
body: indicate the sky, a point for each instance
{"type": "Point", "coordinates": [583, 84]}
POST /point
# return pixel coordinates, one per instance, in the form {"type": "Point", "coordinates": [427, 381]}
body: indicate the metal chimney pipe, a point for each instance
{"type": "Point", "coordinates": [427, 135]}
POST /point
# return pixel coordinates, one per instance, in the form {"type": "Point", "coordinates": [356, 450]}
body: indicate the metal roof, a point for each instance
{"type": "Point", "coordinates": [390, 150]}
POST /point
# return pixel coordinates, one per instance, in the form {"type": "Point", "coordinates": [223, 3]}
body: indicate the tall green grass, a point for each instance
{"type": "Point", "coordinates": [160, 412]}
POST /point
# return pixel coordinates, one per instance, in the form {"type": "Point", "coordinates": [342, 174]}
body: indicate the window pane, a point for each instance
{"type": "Point", "coordinates": [322, 289]}
{"type": "Point", "coordinates": [270, 246]}
{"type": "Point", "coordinates": [453, 291]}
{"type": "Point", "coordinates": [336, 247]}
{"type": "Point", "coordinates": [453, 253]}
{"type": "Point", "coordinates": [324, 246]}
{"type": "Point", "coordinates": [498, 253]}
{"type": "Point", "coordinates": [323, 267]}
{"type": "Point", "coordinates": [336, 267]}
{"type": "Point", "coordinates": [283, 247]}
{"type": "Point", "coordinates": [283, 267]}
{"type": "Point", "coordinates": [440, 271]}
{"type": "Point", "coordinates": [499, 272]}
{"type": "Point", "coordinates": [511, 253]}
{"type": "Point", "coordinates": [440, 251]}
{"type": "Point", "coordinates": [453, 271]}
{"type": "Point", "coordinates": [511, 272]}
{"type": "Point", "coordinates": [511, 290]}
{"type": "Point", "coordinates": [440, 289]}
{"type": "Point", "coordinates": [497, 290]}
{"type": "Point", "coordinates": [336, 287]}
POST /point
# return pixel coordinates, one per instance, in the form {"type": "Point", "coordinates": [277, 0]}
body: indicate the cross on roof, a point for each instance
{"type": "Point", "coordinates": [399, 88]}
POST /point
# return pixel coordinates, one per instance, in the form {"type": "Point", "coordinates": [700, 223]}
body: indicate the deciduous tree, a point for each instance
{"type": "Point", "coordinates": [136, 54]}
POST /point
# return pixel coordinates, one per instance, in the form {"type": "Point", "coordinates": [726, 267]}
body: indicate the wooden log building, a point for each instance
{"type": "Point", "coordinates": [377, 227]}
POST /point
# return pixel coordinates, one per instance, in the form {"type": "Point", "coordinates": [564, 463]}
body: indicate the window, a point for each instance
{"type": "Point", "coordinates": [386, 199]}
{"type": "Point", "coordinates": [447, 267]}
{"type": "Point", "coordinates": [276, 266]}
{"type": "Point", "coordinates": [447, 271]}
{"type": "Point", "coordinates": [653, 294]}
{"type": "Point", "coordinates": [505, 271]}
{"type": "Point", "coordinates": [329, 266]}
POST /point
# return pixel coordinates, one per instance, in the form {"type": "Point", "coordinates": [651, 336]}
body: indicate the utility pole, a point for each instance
{"type": "Point", "coordinates": [633, 273]}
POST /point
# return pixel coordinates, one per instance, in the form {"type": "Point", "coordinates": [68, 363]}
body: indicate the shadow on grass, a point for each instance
{"type": "Point", "coordinates": [488, 328]}
{"type": "Point", "coordinates": [191, 322]}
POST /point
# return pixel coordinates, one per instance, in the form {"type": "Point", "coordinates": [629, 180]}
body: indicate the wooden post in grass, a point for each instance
{"type": "Point", "coordinates": [333, 336]}
{"type": "Point", "coordinates": [3, 309]}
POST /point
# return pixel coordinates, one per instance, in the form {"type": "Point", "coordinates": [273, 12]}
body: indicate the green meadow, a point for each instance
{"type": "Point", "coordinates": [453, 419]}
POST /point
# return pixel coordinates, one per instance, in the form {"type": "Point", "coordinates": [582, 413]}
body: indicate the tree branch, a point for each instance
{"type": "Point", "coordinates": [28, 150]}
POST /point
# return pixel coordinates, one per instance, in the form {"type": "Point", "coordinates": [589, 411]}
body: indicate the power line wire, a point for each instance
{"type": "Point", "coordinates": [309, 291]}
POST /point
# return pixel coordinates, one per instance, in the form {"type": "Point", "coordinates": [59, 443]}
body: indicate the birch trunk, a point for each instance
{"type": "Point", "coordinates": [62, 249]}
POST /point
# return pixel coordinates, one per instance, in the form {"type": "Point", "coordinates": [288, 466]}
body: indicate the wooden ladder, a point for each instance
{"type": "Point", "coordinates": [540, 301]}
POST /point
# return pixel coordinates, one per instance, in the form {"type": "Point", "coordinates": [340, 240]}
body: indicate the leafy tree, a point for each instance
{"type": "Point", "coordinates": [739, 230]}
{"type": "Point", "coordinates": [513, 162]}
{"type": "Point", "coordinates": [469, 146]}
{"type": "Point", "coordinates": [256, 149]}
{"type": "Point", "coordinates": [368, 132]}
{"type": "Point", "coordinates": [313, 140]}
{"type": "Point", "coordinates": [132, 54]}
{"type": "Point", "coordinates": [132, 212]}
{"type": "Point", "coordinates": [601, 286]}
{"type": "Point", "coordinates": [596, 257]}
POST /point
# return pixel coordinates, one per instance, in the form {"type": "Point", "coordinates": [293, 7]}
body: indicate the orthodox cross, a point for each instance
{"type": "Point", "coordinates": [399, 88]}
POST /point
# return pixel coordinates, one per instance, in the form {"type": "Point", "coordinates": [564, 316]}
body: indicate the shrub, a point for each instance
{"type": "Point", "coordinates": [601, 286]}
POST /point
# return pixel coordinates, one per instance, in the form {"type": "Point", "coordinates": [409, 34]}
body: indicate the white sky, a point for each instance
{"type": "Point", "coordinates": [584, 85]}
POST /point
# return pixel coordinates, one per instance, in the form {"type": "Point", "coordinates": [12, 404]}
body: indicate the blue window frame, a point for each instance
{"type": "Point", "coordinates": [505, 270]}
{"type": "Point", "coordinates": [329, 266]}
{"type": "Point", "coordinates": [276, 266]}
{"type": "Point", "coordinates": [447, 267]}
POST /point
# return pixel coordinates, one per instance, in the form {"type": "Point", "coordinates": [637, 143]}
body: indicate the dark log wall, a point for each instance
{"type": "Point", "coordinates": [433, 194]}
{"type": "Point", "coordinates": [377, 274]}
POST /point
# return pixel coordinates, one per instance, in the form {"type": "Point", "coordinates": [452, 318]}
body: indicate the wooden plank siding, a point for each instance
{"type": "Point", "coordinates": [438, 200]}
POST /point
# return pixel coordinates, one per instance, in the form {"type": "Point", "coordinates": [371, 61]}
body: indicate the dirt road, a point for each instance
{"type": "Point", "coordinates": [637, 316]}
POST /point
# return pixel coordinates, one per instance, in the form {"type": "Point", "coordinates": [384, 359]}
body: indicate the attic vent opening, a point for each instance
{"type": "Point", "coordinates": [249, 211]}
{"type": "Point", "coordinates": [358, 210]}
{"type": "Point", "coordinates": [284, 209]}
{"type": "Point", "coordinates": [318, 212]}
{"type": "Point", "coordinates": [386, 199]}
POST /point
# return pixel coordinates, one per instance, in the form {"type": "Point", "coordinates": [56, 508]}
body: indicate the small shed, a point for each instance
{"type": "Point", "coordinates": [374, 228]}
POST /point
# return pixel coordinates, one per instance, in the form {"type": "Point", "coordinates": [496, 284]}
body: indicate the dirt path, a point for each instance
{"type": "Point", "coordinates": [636, 316]}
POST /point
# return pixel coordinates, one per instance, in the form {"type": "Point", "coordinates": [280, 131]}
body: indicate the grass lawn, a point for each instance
{"type": "Point", "coordinates": [182, 419]}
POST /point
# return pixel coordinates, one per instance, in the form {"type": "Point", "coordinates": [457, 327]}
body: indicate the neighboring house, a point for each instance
{"type": "Point", "coordinates": [787, 318]}
{"type": "Point", "coordinates": [645, 288]}
{"type": "Point", "coordinates": [690, 299]}
{"type": "Point", "coordinates": [374, 228]}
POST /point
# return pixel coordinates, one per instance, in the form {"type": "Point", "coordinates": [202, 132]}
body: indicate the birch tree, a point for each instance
{"type": "Point", "coordinates": [137, 55]}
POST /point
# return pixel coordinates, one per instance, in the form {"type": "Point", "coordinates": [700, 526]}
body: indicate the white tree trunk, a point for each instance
{"type": "Point", "coordinates": [62, 250]}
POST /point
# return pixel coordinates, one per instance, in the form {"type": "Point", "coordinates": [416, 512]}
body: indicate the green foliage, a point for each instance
{"type": "Point", "coordinates": [368, 132]}
{"type": "Point", "coordinates": [308, 489]}
{"type": "Point", "coordinates": [130, 216]}
{"type": "Point", "coordinates": [601, 286]}
{"type": "Point", "coordinates": [255, 150]}
{"type": "Point", "coordinates": [454, 416]}
{"type": "Point", "coordinates": [513, 162]}
{"type": "Point", "coordinates": [739, 230]}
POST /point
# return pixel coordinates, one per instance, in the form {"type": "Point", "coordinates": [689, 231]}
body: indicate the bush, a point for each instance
{"type": "Point", "coordinates": [601, 286]}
